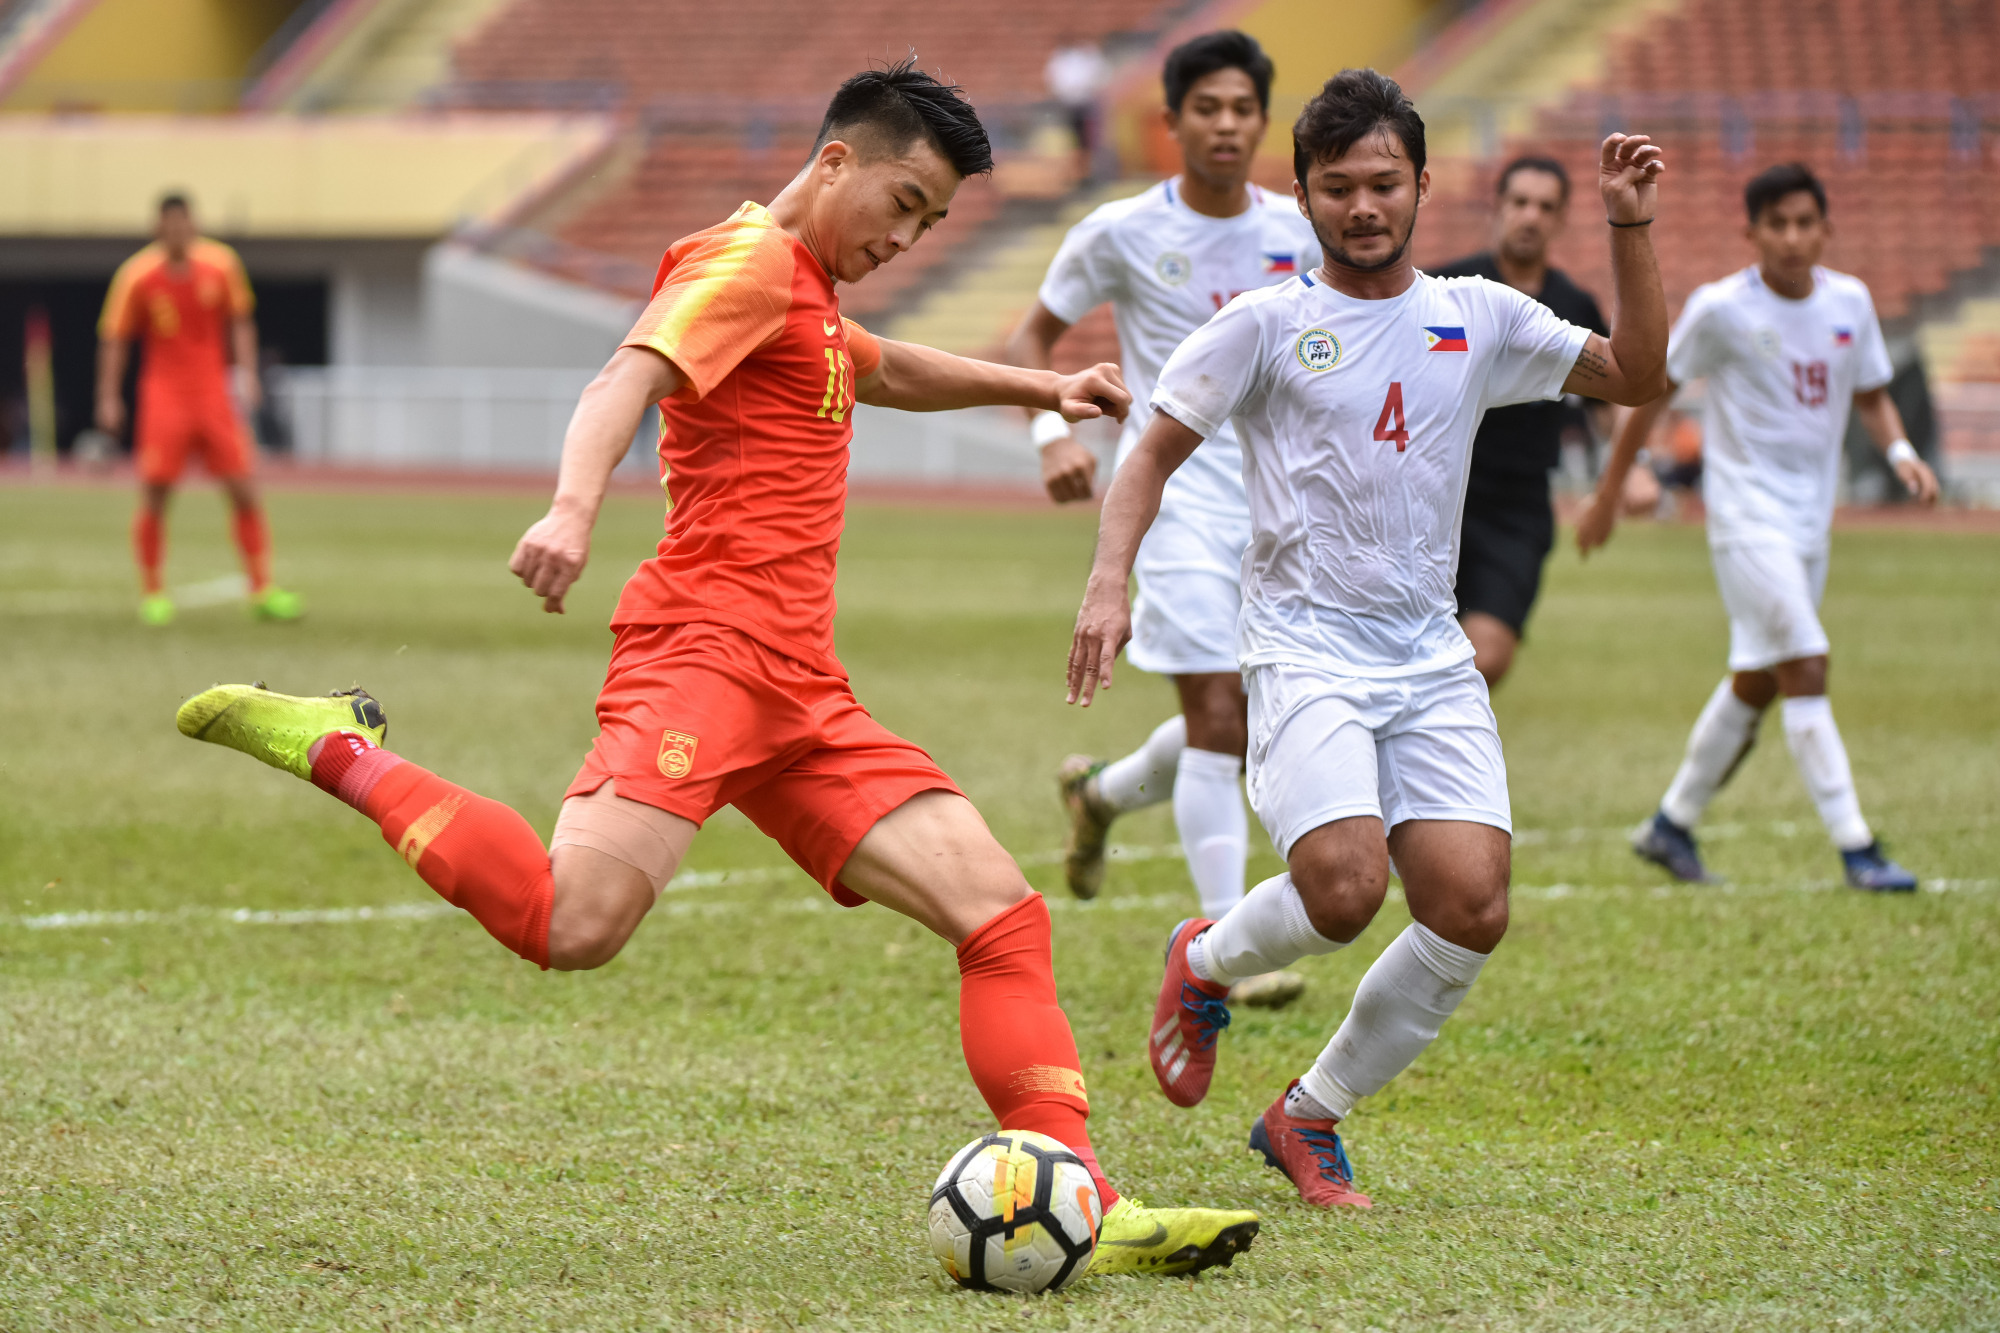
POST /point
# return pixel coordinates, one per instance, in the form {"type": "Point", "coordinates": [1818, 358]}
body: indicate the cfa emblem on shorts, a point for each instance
{"type": "Point", "coordinates": [677, 753]}
{"type": "Point", "coordinates": [1318, 350]}
{"type": "Point", "coordinates": [1174, 268]}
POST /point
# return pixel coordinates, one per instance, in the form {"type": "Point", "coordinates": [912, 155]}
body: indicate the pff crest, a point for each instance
{"type": "Point", "coordinates": [1174, 268]}
{"type": "Point", "coordinates": [1318, 350]}
{"type": "Point", "coordinates": [677, 753]}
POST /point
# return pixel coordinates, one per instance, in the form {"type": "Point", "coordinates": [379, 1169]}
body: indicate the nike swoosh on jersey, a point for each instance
{"type": "Point", "coordinates": [1158, 1237]}
{"type": "Point", "coordinates": [829, 329]}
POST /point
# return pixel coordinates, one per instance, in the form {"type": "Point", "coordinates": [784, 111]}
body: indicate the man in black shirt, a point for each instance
{"type": "Point", "coordinates": [1509, 523]}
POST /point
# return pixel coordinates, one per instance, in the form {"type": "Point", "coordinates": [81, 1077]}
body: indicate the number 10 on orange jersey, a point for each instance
{"type": "Point", "coordinates": [839, 385]}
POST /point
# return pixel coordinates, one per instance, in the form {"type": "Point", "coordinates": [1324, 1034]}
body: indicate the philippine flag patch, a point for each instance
{"type": "Point", "coordinates": [1449, 338]}
{"type": "Point", "coordinates": [1843, 337]}
{"type": "Point", "coordinates": [1276, 263]}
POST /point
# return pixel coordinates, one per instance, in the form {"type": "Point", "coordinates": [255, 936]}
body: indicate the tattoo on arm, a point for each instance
{"type": "Point", "coordinates": [1592, 366]}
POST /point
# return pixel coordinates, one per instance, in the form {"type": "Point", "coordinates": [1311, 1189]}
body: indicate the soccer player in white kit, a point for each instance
{"type": "Point", "coordinates": [1786, 347]}
{"type": "Point", "coordinates": [1167, 260]}
{"type": "Point", "coordinates": [1355, 391]}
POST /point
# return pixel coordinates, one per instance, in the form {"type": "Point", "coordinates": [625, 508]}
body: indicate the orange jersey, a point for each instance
{"type": "Point", "coordinates": [753, 450]}
{"type": "Point", "coordinates": [182, 316]}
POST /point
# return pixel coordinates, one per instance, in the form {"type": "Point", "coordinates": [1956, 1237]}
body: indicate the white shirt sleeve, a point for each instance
{"type": "Point", "coordinates": [1084, 274]}
{"type": "Point", "coordinates": [1694, 348]}
{"type": "Point", "coordinates": [1213, 372]}
{"type": "Point", "coordinates": [1537, 349]}
{"type": "Point", "coordinates": [1873, 369]}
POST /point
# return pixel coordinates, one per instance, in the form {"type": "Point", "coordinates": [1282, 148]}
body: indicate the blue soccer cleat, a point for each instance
{"type": "Point", "coordinates": [1671, 847]}
{"type": "Point", "coordinates": [1870, 870]}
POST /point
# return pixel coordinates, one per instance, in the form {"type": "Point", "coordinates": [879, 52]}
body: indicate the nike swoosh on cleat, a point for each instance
{"type": "Point", "coordinates": [1158, 1237]}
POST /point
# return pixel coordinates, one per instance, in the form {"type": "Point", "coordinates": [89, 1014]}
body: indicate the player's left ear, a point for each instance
{"type": "Point", "coordinates": [1423, 187]}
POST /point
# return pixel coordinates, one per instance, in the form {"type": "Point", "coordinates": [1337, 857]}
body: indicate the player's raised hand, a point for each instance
{"type": "Point", "coordinates": [551, 555]}
{"type": "Point", "coordinates": [1103, 626]}
{"type": "Point", "coordinates": [1097, 392]}
{"type": "Point", "coordinates": [1918, 479]}
{"type": "Point", "coordinates": [1628, 171]}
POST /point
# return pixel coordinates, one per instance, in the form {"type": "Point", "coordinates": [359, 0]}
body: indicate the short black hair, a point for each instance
{"type": "Point", "coordinates": [172, 200]}
{"type": "Point", "coordinates": [901, 104]}
{"type": "Point", "coordinates": [1767, 187]}
{"type": "Point", "coordinates": [1546, 165]}
{"type": "Point", "coordinates": [1197, 58]}
{"type": "Point", "coordinates": [1354, 104]}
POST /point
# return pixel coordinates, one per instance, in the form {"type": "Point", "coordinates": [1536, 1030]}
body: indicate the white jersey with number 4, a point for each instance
{"type": "Point", "coordinates": [1356, 421]}
{"type": "Point", "coordinates": [1166, 270]}
{"type": "Point", "coordinates": [1782, 375]}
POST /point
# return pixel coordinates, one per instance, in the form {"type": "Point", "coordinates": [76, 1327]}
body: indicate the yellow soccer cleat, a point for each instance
{"type": "Point", "coordinates": [156, 610]}
{"type": "Point", "coordinates": [278, 728]}
{"type": "Point", "coordinates": [1169, 1242]}
{"type": "Point", "coordinates": [277, 604]}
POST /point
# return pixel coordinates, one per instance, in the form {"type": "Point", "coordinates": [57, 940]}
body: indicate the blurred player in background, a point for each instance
{"type": "Point", "coordinates": [1509, 523]}
{"type": "Point", "coordinates": [723, 687]}
{"type": "Point", "coordinates": [1167, 260]}
{"type": "Point", "coordinates": [186, 302]}
{"type": "Point", "coordinates": [1787, 347]}
{"type": "Point", "coordinates": [1355, 391]}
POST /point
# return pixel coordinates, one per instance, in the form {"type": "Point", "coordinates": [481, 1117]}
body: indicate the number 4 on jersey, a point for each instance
{"type": "Point", "coordinates": [1391, 424]}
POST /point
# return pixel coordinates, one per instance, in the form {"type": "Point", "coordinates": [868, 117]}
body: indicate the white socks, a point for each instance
{"type": "Point", "coordinates": [1145, 776]}
{"type": "Point", "coordinates": [1399, 1006]}
{"type": "Point", "coordinates": [1268, 930]}
{"type": "Point", "coordinates": [1822, 761]}
{"type": "Point", "coordinates": [1721, 737]}
{"type": "Point", "coordinates": [1215, 831]}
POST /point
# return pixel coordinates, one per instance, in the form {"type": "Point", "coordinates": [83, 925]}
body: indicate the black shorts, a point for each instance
{"type": "Point", "coordinates": [1507, 535]}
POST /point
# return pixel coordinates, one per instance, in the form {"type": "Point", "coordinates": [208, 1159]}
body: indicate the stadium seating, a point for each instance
{"type": "Point", "coordinates": [735, 123]}
{"type": "Point", "coordinates": [1729, 89]}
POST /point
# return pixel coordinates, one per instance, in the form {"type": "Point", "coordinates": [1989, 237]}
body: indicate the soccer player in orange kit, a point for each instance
{"type": "Point", "coordinates": [186, 301]}
{"type": "Point", "coordinates": [723, 687]}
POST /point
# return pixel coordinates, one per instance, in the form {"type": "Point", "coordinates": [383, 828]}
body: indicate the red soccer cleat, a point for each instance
{"type": "Point", "coordinates": [1190, 1015]}
{"type": "Point", "coordinates": [1310, 1155]}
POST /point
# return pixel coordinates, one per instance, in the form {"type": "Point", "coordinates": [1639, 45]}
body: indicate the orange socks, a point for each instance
{"type": "Point", "coordinates": [149, 539]}
{"type": "Point", "coordinates": [1016, 1037]}
{"type": "Point", "coordinates": [253, 543]}
{"type": "Point", "coordinates": [477, 853]}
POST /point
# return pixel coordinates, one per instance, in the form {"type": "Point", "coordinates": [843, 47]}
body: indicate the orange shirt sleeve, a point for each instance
{"type": "Point", "coordinates": [726, 295]}
{"type": "Point", "coordinates": [242, 302]}
{"type": "Point", "coordinates": [864, 348]}
{"type": "Point", "coordinates": [123, 316]}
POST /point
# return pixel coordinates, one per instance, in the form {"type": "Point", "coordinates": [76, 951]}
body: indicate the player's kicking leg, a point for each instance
{"type": "Point", "coordinates": [931, 858]}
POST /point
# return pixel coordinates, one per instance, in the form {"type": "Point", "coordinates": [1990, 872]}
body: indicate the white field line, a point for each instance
{"type": "Point", "coordinates": [707, 879]}
{"type": "Point", "coordinates": [219, 591]}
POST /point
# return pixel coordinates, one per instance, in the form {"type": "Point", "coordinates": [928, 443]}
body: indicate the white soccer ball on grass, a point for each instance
{"type": "Point", "coordinates": [1015, 1211]}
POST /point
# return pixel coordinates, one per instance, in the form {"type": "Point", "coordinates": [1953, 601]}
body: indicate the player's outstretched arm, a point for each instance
{"type": "Point", "coordinates": [1629, 367]}
{"type": "Point", "coordinates": [551, 555]}
{"type": "Point", "coordinates": [1104, 622]}
{"type": "Point", "coordinates": [1594, 524]}
{"type": "Point", "coordinates": [915, 378]}
{"type": "Point", "coordinates": [1884, 424]}
{"type": "Point", "coordinates": [1069, 469]}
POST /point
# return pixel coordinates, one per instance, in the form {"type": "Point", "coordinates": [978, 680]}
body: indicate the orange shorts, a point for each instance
{"type": "Point", "coordinates": [173, 425]}
{"type": "Point", "coordinates": [695, 717]}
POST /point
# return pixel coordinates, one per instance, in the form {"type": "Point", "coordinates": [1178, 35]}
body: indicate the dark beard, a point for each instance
{"type": "Point", "coordinates": [1335, 255]}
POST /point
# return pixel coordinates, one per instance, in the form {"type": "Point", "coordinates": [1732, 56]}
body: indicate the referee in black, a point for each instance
{"type": "Point", "coordinates": [1509, 522]}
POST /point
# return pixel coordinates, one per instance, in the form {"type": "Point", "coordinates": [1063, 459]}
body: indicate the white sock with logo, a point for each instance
{"type": "Point", "coordinates": [1402, 1001]}
{"type": "Point", "coordinates": [1268, 930]}
{"type": "Point", "coordinates": [1822, 759]}
{"type": "Point", "coordinates": [1721, 737]}
{"type": "Point", "coordinates": [1145, 776]}
{"type": "Point", "coordinates": [1215, 831]}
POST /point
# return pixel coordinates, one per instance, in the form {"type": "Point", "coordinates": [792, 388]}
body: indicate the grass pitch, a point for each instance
{"type": "Point", "coordinates": [231, 1099]}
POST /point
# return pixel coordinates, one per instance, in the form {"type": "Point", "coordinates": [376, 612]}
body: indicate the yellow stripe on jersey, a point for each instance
{"type": "Point", "coordinates": [117, 320]}
{"type": "Point", "coordinates": [726, 295]}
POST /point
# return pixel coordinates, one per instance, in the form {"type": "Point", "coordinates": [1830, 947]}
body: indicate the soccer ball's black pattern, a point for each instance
{"type": "Point", "coordinates": [1039, 1213]}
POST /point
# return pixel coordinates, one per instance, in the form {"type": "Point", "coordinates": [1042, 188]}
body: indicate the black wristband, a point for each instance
{"type": "Point", "coordinates": [1647, 223]}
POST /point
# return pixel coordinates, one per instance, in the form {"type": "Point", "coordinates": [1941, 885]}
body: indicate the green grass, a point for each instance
{"type": "Point", "coordinates": [1764, 1106]}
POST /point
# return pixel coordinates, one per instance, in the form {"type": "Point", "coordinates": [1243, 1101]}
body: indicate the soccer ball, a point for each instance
{"type": "Point", "coordinates": [1015, 1211]}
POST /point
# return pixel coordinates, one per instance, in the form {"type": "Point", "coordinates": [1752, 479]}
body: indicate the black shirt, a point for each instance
{"type": "Point", "coordinates": [1518, 445]}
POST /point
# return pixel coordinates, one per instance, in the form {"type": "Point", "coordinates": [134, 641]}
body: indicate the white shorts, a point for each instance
{"type": "Point", "coordinates": [1326, 747]}
{"type": "Point", "coordinates": [1772, 594]}
{"type": "Point", "coordinates": [1190, 571]}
